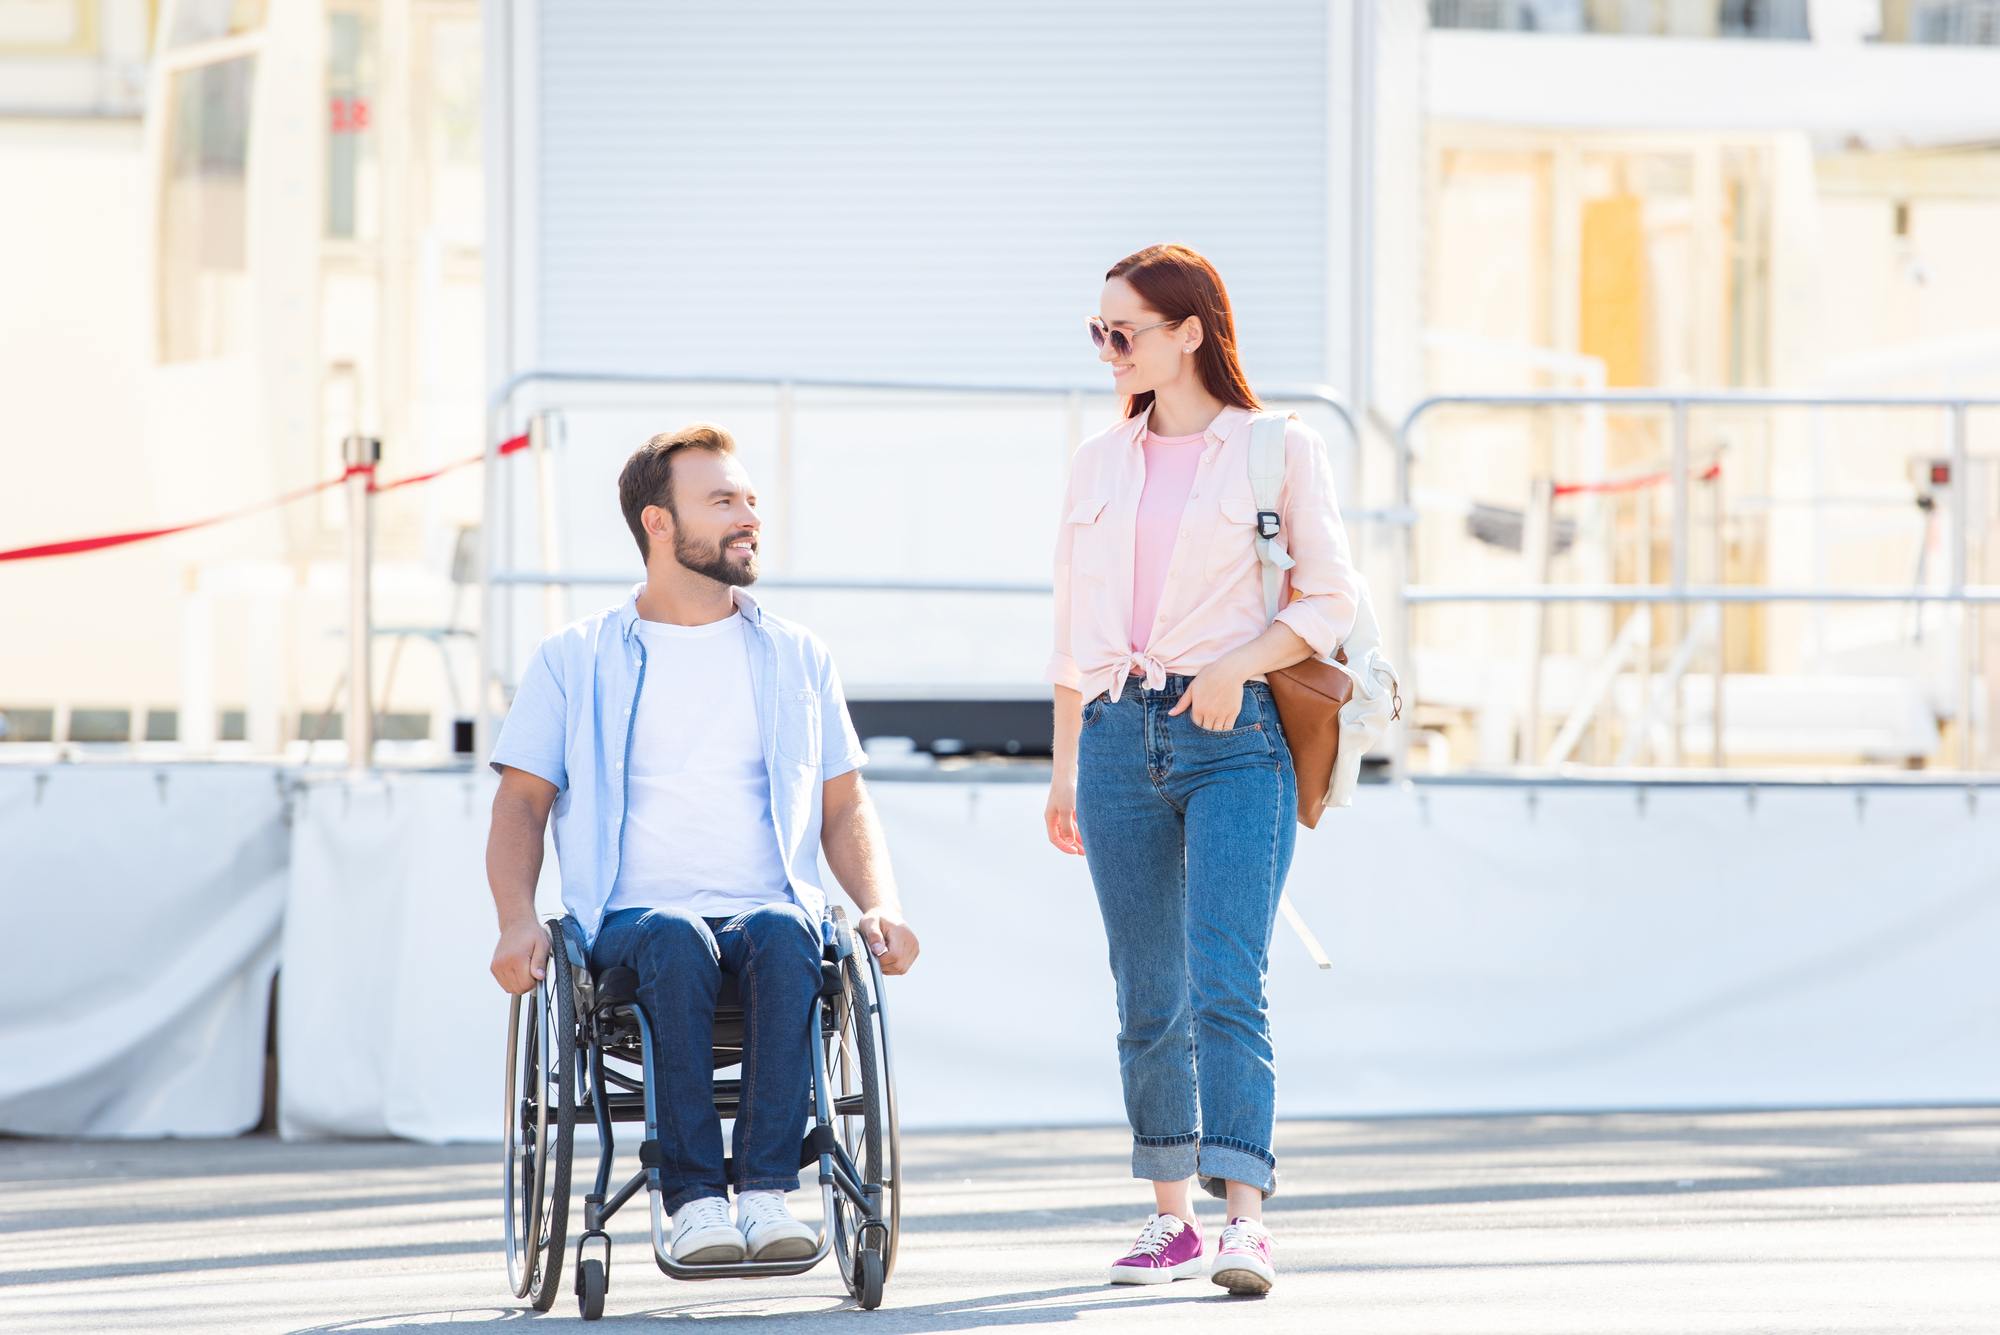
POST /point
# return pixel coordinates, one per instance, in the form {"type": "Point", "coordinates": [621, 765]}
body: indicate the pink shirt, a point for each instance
{"type": "Point", "coordinates": [1171, 463]}
{"type": "Point", "coordinates": [1212, 598]}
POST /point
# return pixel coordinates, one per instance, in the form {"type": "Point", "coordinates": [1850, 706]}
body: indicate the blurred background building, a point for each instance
{"type": "Point", "coordinates": [258, 229]}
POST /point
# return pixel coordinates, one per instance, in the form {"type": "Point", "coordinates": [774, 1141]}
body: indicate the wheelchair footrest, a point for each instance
{"type": "Point", "coordinates": [819, 1140]}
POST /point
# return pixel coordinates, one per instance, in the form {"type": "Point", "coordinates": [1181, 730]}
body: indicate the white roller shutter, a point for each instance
{"type": "Point", "coordinates": [911, 189]}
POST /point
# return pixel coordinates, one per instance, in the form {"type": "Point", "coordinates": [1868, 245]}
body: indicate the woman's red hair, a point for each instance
{"type": "Point", "coordinates": [1179, 282]}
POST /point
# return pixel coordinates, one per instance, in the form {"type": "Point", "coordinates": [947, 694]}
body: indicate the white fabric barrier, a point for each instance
{"type": "Point", "coordinates": [142, 904]}
{"type": "Point", "coordinates": [388, 1021]}
{"type": "Point", "coordinates": [1495, 947]}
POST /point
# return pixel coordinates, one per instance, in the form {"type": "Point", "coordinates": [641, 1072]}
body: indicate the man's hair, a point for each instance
{"type": "Point", "coordinates": [648, 476]}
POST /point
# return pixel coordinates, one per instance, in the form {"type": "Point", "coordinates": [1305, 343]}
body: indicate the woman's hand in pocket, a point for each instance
{"type": "Point", "coordinates": [1060, 815]}
{"type": "Point", "coordinates": [1214, 698]}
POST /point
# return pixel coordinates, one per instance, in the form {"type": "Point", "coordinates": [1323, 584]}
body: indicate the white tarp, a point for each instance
{"type": "Point", "coordinates": [388, 1021]}
{"type": "Point", "coordinates": [142, 906]}
{"type": "Point", "coordinates": [1495, 947]}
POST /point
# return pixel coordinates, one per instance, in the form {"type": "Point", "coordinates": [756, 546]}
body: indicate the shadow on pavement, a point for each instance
{"type": "Point", "coordinates": [762, 1313]}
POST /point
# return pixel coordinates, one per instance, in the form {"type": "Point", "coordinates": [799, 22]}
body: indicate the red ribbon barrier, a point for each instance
{"type": "Point", "coordinates": [1640, 483]}
{"type": "Point", "coordinates": [74, 546]}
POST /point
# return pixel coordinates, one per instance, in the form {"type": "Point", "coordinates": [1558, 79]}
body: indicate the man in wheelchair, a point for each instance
{"type": "Point", "coordinates": [697, 755]}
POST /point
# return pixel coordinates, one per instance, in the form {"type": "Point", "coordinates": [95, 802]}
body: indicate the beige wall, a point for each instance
{"type": "Point", "coordinates": [73, 360]}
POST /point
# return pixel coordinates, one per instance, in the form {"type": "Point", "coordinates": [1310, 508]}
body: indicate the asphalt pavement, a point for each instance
{"type": "Point", "coordinates": [1676, 1224]}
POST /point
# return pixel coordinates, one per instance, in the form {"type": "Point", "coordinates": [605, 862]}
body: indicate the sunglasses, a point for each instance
{"type": "Point", "coordinates": [1120, 341]}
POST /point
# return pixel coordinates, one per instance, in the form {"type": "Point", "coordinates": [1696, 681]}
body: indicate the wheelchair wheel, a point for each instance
{"type": "Point", "coordinates": [868, 1293]}
{"type": "Point", "coordinates": [865, 1124]}
{"type": "Point", "coordinates": [540, 1130]}
{"type": "Point", "coordinates": [590, 1286]}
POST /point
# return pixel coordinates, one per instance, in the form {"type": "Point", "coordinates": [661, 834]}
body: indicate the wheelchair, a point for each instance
{"type": "Point", "coordinates": [578, 1047]}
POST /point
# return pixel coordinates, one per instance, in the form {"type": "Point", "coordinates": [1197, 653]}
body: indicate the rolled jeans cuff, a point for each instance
{"type": "Point", "coordinates": [1225, 1161]}
{"type": "Point", "coordinates": [1164, 1158]}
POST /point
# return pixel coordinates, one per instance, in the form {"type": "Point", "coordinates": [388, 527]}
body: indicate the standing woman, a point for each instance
{"type": "Point", "coordinates": [1171, 776]}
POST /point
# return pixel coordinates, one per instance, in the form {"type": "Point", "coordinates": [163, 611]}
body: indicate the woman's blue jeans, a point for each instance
{"type": "Point", "coordinates": [1189, 834]}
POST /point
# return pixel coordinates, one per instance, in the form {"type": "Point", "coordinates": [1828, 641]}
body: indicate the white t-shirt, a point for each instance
{"type": "Point", "coordinates": [698, 830]}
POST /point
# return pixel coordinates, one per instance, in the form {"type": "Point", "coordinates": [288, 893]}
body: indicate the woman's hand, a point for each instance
{"type": "Point", "coordinates": [1060, 815]}
{"type": "Point", "coordinates": [1214, 698]}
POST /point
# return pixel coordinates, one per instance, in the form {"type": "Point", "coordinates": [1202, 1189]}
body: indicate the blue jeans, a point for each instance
{"type": "Point", "coordinates": [1189, 835]}
{"type": "Point", "coordinates": [774, 952]}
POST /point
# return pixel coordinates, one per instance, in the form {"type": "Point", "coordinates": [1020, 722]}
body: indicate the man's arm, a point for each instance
{"type": "Point", "coordinates": [513, 866]}
{"type": "Point", "coordinates": [851, 836]}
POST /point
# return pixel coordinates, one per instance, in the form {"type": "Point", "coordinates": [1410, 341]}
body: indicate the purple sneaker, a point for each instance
{"type": "Point", "coordinates": [1169, 1248]}
{"type": "Point", "coordinates": [1243, 1263]}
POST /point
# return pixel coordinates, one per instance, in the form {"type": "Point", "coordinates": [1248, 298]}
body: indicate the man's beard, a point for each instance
{"type": "Point", "coordinates": [713, 560]}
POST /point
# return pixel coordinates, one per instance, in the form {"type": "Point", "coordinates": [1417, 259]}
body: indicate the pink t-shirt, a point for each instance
{"type": "Point", "coordinates": [1171, 463]}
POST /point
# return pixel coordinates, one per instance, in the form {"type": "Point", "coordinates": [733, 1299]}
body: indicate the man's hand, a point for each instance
{"type": "Point", "coordinates": [889, 939]}
{"type": "Point", "coordinates": [521, 958]}
{"type": "Point", "coordinates": [1214, 698]}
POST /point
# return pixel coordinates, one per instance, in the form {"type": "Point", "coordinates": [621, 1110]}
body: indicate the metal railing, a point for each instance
{"type": "Point", "coordinates": [1956, 22]}
{"type": "Point", "coordinates": [1679, 591]}
{"type": "Point", "coordinates": [1784, 20]}
{"type": "Point", "coordinates": [498, 537]}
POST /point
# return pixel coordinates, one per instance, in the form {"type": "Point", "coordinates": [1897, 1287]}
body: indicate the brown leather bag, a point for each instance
{"type": "Point", "coordinates": [1309, 696]}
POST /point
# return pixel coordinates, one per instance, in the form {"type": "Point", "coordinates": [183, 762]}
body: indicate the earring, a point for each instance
{"type": "Point", "coordinates": [1187, 352]}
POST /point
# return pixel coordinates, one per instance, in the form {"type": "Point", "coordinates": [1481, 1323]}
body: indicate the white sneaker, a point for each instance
{"type": "Point", "coordinates": [703, 1234]}
{"type": "Point", "coordinates": [769, 1230]}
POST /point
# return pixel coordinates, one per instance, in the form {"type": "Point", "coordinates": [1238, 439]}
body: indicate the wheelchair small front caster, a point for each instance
{"type": "Point", "coordinates": [590, 1286]}
{"type": "Point", "coordinates": [869, 1291]}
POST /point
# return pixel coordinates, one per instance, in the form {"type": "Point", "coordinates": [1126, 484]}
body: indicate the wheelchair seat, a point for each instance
{"type": "Point", "coordinates": [619, 986]}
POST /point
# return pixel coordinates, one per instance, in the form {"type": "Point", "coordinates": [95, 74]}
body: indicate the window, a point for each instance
{"type": "Point", "coordinates": [197, 21]}
{"type": "Point", "coordinates": [353, 166]}
{"type": "Point", "coordinates": [204, 282]}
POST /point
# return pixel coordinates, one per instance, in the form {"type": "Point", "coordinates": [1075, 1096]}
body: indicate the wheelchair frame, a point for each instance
{"type": "Point", "coordinates": [556, 1071]}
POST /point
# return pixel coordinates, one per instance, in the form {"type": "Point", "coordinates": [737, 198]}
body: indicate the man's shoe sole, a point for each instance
{"type": "Point", "coordinates": [786, 1249]}
{"type": "Point", "coordinates": [716, 1253]}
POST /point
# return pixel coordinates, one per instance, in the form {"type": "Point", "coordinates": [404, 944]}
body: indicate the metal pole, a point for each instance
{"type": "Point", "coordinates": [1960, 526]}
{"type": "Point", "coordinates": [553, 600]}
{"type": "Point", "coordinates": [1678, 557]}
{"type": "Point", "coordinates": [1720, 575]}
{"type": "Point", "coordinates": [1402, 634]}
{"type": "Point", "coordinates": [1643, 504]}
{"type": "Point", "coordinates": [504, 628]}
{"type": "Point", "coordinates": [360, 454]}
{"type": "Point", "coordinates": [1538, 552]}
{"type": "Point", "coordinates": [492, 564]}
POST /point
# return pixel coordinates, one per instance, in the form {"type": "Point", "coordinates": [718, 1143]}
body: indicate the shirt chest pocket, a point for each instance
{"type": "Point", "coordinates": [1233, 546]}
{"type": "Point", "coordinates": [799, 725]}
{"type": "Point", "coordinates": [1089, 537]}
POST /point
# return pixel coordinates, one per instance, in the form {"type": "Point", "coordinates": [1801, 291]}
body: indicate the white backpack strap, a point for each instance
{"type": "Point", "coordinates": [1267, 478]}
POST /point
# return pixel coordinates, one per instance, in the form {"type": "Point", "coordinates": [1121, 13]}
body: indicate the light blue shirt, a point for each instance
{"type": "Point", "coordinates": [571, 724]}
